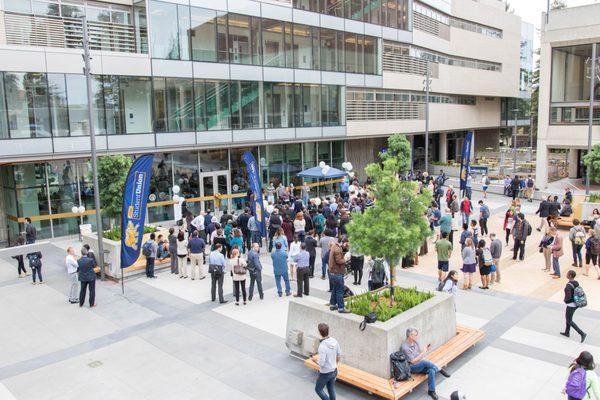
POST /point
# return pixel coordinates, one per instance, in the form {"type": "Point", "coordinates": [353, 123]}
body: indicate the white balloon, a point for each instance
{"type": "Point", "coordinates": [344, 164]}
{"type": "Point", "coordinates": [351, 174]}
{"type": "Point", "coordinates": [270, 208]}
{"type": "Point", "coordinates": [81, 209]}
{"type": "Point", "coordinates": [317, 201]}
{"type": "Point", "coordinates": [349, 166]}
{"type": "Point", "coordinates": [175, 189]}
{"type": "Point", "coordinates": [176, 198]}
{"type": "Point", "coordinates": [322, 164]}
{"type": "Point", "coordinates": [326, 169]}
{"type": "Point", "coordinates": [74, 209]}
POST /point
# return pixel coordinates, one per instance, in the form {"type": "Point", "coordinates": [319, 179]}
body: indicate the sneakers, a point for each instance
{"type": "Point", "coordinates": [444, 373]}
{"type": "Point", "coordinates": [344, 311]}
{"type": "Point", "coordinates": [333, 308]}
{"type": "Point", "coordinates": [433, 395]}
{"type": "Point", "coordinates": [583, 337]}
{"type": "Point", "coordinates": [565, 334]}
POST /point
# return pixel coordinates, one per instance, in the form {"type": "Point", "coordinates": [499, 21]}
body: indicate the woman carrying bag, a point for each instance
{"type": "Point", "coordinates": [238, 271]}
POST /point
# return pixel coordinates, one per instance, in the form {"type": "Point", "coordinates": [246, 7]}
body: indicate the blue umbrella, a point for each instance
{"type": "Point", "coordinates": [317, 172]}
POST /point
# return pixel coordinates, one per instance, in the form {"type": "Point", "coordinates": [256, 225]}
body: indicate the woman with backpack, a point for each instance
{"type": "Point", "coordinates": [577, 238]}
{"type": "Point", "coordinates": [35, 263]}
{"type": "Point", "coordinates": [485, 260]}
{"type": "Point", "coordinates": [582, 383]}
{"type": "Point", "coordinates": [237, 267]}
{"type": "Point", "coordinates": [469, 263]}
{"type": "Point", "coordinates": [592, 250]}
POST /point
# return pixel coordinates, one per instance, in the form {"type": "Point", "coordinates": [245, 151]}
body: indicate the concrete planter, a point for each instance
{"type": "Point", "coordinates": [448, 170]}
{"type": "Point", "coordinates": [112, 259]}
{"type": "Point", "coordinates": [369, 350]}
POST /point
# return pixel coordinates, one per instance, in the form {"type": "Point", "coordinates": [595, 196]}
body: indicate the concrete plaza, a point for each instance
{"type": "Point", "coordinates": [165, 340]}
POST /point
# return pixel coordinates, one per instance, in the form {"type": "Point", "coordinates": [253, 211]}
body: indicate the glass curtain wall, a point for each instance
{"type": "Point", "coordinates": [173, 104]}
{"type": "Point", "coordinates": [244, 39]}
{"type": "Point", "coordinates": [160, 187]}
{"type": "Point", "coordinates": [203, 34]}
{"type": "Point", "coordinates": [571, 68]}
{"type": "Point", "coordinates": [185, 171]}
{"type": "Point", "coordinates": [279, 105]}
{"type": "Point", "coordinates": [332, 50]}
{"type": "Point", "coordinates": [239, 175]}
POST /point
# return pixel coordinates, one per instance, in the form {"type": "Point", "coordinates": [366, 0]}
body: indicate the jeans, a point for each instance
{"type": "Point", "coordinates": [92, 286]}
{"type": "Point", "coordinates": [483, 224]}
{"type": "Point", "coordinates": [236, 290]}
{"type": "Point", "coordinates": [556, 266]}
{"type": "Point", "coordinates": [468, 192]}
{"type": "Point", "coordinates": [324, 262]}
{"type": "Point", "coordinates": [173, 256]}
{"type": "Point", "coordinates": [465, 218]}
{"type": "Point", "coordinates": [311, 264]}
{"type": "Point", "coordinates": [20, 264]}
{"type": "Point", "coordinates": [272, 232]}
{"type": "Point", "coordinates": [286, 280]}
{"type": "Point", "coordinates": [256, 277]}
{"type": "Point", "coordinates": [570, 324]}
{"type": "Point", "coordinates": [426, 366]}
{"type": "Point", "coordinates": [577, 253]}
{"type": "Point", "coordinates": [74, 286]}
{"type": "Point", "coordinates": [337, 290]}
{"type": "Point", "coordinates": [303, 277]}
{"type": "Point", "coordinates": [507, 235]}
{"type": "Point", "coordinates": [329, 381]}
{"type": "Point", "coordinates": [150, 267]}
{"type": "Point", "coordinates": [519, 248]}
{"type": "Point", "coordinates": [37, 271]}
{"type": "Point", "coordinates": [216, 282]}
{"type": "Point", "coordinates": [256, 237]}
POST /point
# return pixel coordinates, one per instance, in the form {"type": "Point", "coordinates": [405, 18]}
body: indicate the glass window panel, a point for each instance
{"type": "Point", "coordinates": [250, 100]}
{"type": "Point", "coordinates": [185, 167]}
{"type": "Point", "coordinates": [308, 5]}
{"type": "Point", "coordinates": [332, 50]}
{"type": "Point", "coordinates": [298, 105]}
{"type": "Point", "coordinates": [57, 91]}
{"type": "Point", "coordinates": [275, 164]}
{"type": "Point", "coordinates": [63, 194]}
{"type": "Point", "coordinates": [239, 175]}
{"type": "Point", "coordinates": [289, 44]}
{"type": "Point", "coordinates": [350, 55]}
{"type": "Point", "coordinates": [120, 17]}
{"type": "Point", "coordinates": [330, 105]}
{"type": "Point", "coordinates": [204, 34]}
{"type": "Point", "coordinates": [200, 104]}
{"type": "Point", "coordinates": [279, 102]}
{"type": "Point", "coordinates": [141, 26]}
{"type": "Point", "coordinates": [255, 40]}
{"type": "Point", "coordinates": [27, 103]}
{"type": "Point", "coordinates": [222, 48]}
{"type": "Point", "coordinates": [316, 54]}
{"type": "Point", "coordinates": [183, 15]}
{"type": "Point", "coordinates": [160, 188]}
{"type": "Point", "coordinates": [180, 106]}
{"type": "Point", "coordinates": [571, 73]}
{"type": "Point", "coordinates": [311, 103]}
{"type": "Point", "coordinates": [45, 8]}
{"type": "Point", "coordinates": [3, 118]}
{"type": "Point", "coordinates": [239, 39]}
{"type": "Point", "coordinates": [98, 14]}
{"type": "Point", "coordinates": [273, 43]}
{"type": "Point", "coordinates": [163, 35]}
{"type": "Point", "coordinates": [71, 11]}
{"type": "Point", "coordinates": [20, 6]}
{"type": "Point", "coordinates": [403, 15]}
{"type": "Point", "coordinates": [309, 155]}
{"type": "Point", "coordinates": [214, 160]}
{"type": "Point", "coordinates": [337, 153]}
{"type": "Point", "coordinates": [135, 94]}
{"type": "Point", "coordinates": [112, 111]}
{"type": "Point", "coordinates": [293, 164]}
{"type": "Point", "coordinates": [332, 7]}
{"type": "Point", "coordinates": [303, 46]}
{"type": "Point", "coordinates": [359, 54]}
{"type": "Point", "coordinates": [217, 105]}
{"type": "Point", "coordinates": [354, 9]}
{"type": "Point", "coordinates": [159, 94]}
{"type": "Point", "coordinates": [236, 118]}
{"type": "Point", "coordinates": [324, 152]}
{"type": "Point", "coordinates": [370, 49]}
{"type": "Point", "coordinates": [79, 123]}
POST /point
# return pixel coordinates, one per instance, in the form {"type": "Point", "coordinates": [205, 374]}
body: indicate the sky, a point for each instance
{"type": "Point", "coordinates": [531, 11]}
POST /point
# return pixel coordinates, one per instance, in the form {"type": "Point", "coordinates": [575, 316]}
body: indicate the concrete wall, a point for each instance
{"type": "Point", "coordinates": [361, 152]}
{"type": "Point", "coordinates": [369, 350]}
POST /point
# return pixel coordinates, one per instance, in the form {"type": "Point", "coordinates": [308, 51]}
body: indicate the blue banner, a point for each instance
{"type": "Point", "coordinates": [465, 160]}
{"type": "Point", "coordinates": [135, 197]}
{"type": "Point", "coordinates": [256, 201]}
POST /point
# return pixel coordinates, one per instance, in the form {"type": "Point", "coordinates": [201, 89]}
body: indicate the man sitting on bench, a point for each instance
{"type": "Point", "coordinates": [415, 355]}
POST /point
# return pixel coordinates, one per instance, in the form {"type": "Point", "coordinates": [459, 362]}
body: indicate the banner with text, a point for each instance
{"type": "Point", "coordinates": [465, 159]}
{"type": "Point", "coordinates": [256, 201]}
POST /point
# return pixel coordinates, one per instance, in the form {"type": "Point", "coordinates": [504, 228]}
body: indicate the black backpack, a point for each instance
{"type": "Point", "coordinates": [399, 367]}
{"type": "Point", "coordinates": [146, 249]}
{"type": "Point", "coordinates": [378, 272]}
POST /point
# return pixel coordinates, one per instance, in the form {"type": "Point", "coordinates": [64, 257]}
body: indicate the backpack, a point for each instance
{"type": "Point", "coordinates": [487, 257]}
{"type": "Point", "coordinates": [595, 246]}
{"type": "Point", "coordinates": [250, 266]}
{"type": "Point", "coordinates": [487, 181]}
{"type": "Point", "coordinates": [579, 297]}
{"type": "Point", "coordinates": [529, 183]}
{"type": "Point", "coordinates": [238, 268]}
{"type": "Point", "coordinates": [146, 249]}
{"type": "Point", "coordinates": [485, 212]}
{"type": "Point", "coordinates": [528, 229]}
{"type": "Point", "coordinates": [34, 260]}
{"type": "Point", "coordinates": [378, 272]}
{"type": "Point", "coordinates": [579, 238]}
{"type": "Point", "coordinates": [399, 367]}
{"type": "Point", "coordinates": [575, 386]}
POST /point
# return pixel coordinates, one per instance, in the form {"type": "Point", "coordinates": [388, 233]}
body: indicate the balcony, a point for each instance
{"type": "Point", "coordinates": [45, 31]}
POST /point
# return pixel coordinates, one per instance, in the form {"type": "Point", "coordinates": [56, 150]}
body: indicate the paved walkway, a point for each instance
{"type": "Point", "coordinates": [165, 340]}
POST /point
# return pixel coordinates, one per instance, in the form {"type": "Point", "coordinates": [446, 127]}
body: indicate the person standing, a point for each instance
{"type": "Point", "coordinates": [592, 250]}
{"type": "Point", "coordinates": [337, 268]}
{"type": "Point", "coordinates": [279, 258]}
{"type": "Point", "coordinates": [485, 183]}
{"type": "Point", "coordinates": [19, 258]}
{"type": "Point", "coordinates": [274, 226]}
{"type": "Point", "coordinates": [579, 387]}
{"type": "Point", "coordinates": [72, 267]}
{"type": "Point", "coordinates": [35, 264]}
{"type": "Point", "coordinates": [299, 226]}
{"type": "Point", "coordinates": [294, 249]}
{"type": "Point", "coordinates": [521, 230]}
{"type": "Point", "coordinates": [466, 208]}
{"type": "Point", "coordinates": [443, 248]}
{"type": "Point", "coordinates": [87, 278]}
{"type": "Point", "coordinates": [329, 355]}
{"type": "Point", "coordinates": [255, 268]}
{"type": "Point", "coordinates": [150, 248]}
{"type": "Point", "coordinates": [484, 214]}
{"type": "Point", "coordinates": [242, 222]}
{"type": "Point", "coordinates": [238, 271]}
{"type": "Point", "coordinates": [325, 242]}
{"type": "Point", "coordinates": [544, 212]}
{"type": "Point", "coordinates": [557, 252]}
{"type": "Point", "coordinates": [302, 260]}
{"type": "Point", "coordinates": [469, 263]}
{"type": "Point", "coordinates": [529, 188]}
{"type": "Point", "coordinates": [496, 250]}
{"type": "Point", "coordinates": [196, 247]}
{"type": "Point", "coordinates": [514, 186]}
{"type": "Point", "coordinates": [216, 262]}
{"type": "Point", "coordinates": [173, 250]}
{"type": "Point", "coordinates": [182, 254]}
{"type": "Point", "coordinates": [311, 246]}
{"type": "Point", "coordinates": [446, 227]}
{"type": "Point", "coordinates": [485, 260]}
{"type": "Point", "coordinates": [569, 300]}
{"type": "Point", "coordinates": [509, 223]}
{"type": "Point", "coordinates": [305, 193]}
{"type": "Point", "coordinates": [357, 263]}
{"type": "Point", "coordinates": [30, 232]}
{"type": "Point", "coordinates": [546, 249]}
{"type": "Point", "coordinates": [577, 237]}
{"type": "Point", "coordinates": [469, 186]}
{"type": "Point", "coordinates": [254, 231]}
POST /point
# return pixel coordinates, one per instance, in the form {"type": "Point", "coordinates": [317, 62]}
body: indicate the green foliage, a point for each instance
{"type": "Point", "coordinates": [115, 233]}
{"type": "Point", "coordinates": [376, 302]}
{"type": "Point", "coordinates": [112, 173]}
{"type": "Point", "coordinates": [594, 198]}
{"type": "Point", "coordinates": [399, 150]}
{"type": "Point", "coordinates": [592, 161]}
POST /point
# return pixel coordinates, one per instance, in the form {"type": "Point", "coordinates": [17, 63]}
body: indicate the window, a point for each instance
{"type": "Point", "coordinates": [332, 50]}
{"type": "Point", "coordinates": [571, 68]}
{"type": "Point", "coordinates": [20, 6]}
{"type": "Point", "coordinates": [218, 113]}
{"type": "Point", "coordinates": [306, 47]}
{"type": "Point", "coordinates": [311, 102]}
{"type": "Point", "coordinates": [183, 15]}
{"type": "Point", "coordinates": [330, 105]}
{"type": "Point", "coordinates": [59, 114]}
{"type": "Point", "coordinates": [173, 104]}
{"type": "Point", "coordinates": [27, 105]}
{"type": "Point", "coordinates": [135, 105]}
{"type": "Point", "coordinates": [279, 105]}
{"type": "Point", "coordinates": [370, 50]}
{"type": "Point", "coordinates": [308, 5]}
{"type": "Point", "coordinates": [3, 119]}
{"type": "Point", "coordinates": [160, 187]}
{"type": "Point", "coordinates": [273, 43]}
{"type": "Point", "coordinates": [45, 8]}
{"type": "Point", "coordinates": [185, 170]}
{"type": "Point", "coordinates": [203, 34]}
{"type": "Point", "coordinates": [332, 7]}
{"type": "Point", "coordinates": [244, 43]}
{"type": "Point", "coordinates": [164, 34]}
{"type": "Point", "coordinates": [200, 105]}
{"type": "Point", "coordinates": [354, 9]}
{"type": "Point", "coordinates": [354, 52]}
{"type": "Point", "coordinates": [79, 123]}
{"type": "Point", "coordinates": [222, 42]}
{"type": "Point", "coordinates": [250, 100]}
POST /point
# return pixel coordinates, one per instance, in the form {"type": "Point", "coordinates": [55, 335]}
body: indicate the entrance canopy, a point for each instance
{"type": "Point", "coordinates": [317, 172]}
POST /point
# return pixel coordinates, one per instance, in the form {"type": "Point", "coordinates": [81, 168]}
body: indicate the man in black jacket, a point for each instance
{"type": "Point", "coordinates": [311, 246]}
{"type": "Point", "coordinates": [544, 212]}
{"type": "Point", "coordinates": [571, 306]}
{"type": "Point", "coordinates": [521, 230]}
{"type": "Point", "coordinates": [243, 225]}
{"type": "Point", "coordinates": [87, 277]}
{"type": "Point", "coordinates": [514, 186]}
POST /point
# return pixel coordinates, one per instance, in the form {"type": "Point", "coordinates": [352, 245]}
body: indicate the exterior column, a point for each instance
{"type": "Point", "coordinates": [573, 164]}
{"type": "Point", "coordinates": [541, 172]}
{"type": "Point", "coordinates": [443, 146]}
{"type": "Point", "coordinates": [411, 140]}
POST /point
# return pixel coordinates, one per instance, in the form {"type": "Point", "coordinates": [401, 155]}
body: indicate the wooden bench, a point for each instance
{"type": "Point", "coordinates": [388, 389]}
{"type": "Point", "coordinates": [567, 222]}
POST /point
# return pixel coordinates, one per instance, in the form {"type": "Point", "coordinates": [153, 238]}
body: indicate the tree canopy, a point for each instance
{"type": "Point", "coordinates": [592, 161]}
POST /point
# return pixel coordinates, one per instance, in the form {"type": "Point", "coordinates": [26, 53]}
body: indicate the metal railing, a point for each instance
{"type": "Point", "coordinates": [44, 31]}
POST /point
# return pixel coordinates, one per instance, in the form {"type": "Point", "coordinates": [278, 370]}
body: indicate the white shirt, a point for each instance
{"type": "Point", "coordinates": [71, 264]}
{"type": "Point", "coordinates": [299, 225]}
{"type": "Point", "coordinates": [329, 351]}
{"type": "Point", "coordinates": [198, 222]}
{"type": "Point", "coordinates": [294, 249]}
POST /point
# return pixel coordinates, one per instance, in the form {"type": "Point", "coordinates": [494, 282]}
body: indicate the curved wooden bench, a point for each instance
{"type": "Point", "coordinates": [388, 389]}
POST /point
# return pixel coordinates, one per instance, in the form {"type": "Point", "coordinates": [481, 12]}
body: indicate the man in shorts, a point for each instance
{"type": "Point", "coordinates": [443, 248]}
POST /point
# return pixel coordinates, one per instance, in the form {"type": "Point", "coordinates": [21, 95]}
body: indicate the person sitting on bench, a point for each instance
{"type": "Point", "coordinates": [415, 355]}
{"type": "Point", "coordinates": [566, 210]}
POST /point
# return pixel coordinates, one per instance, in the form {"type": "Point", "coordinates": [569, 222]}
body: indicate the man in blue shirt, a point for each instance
{"type": "Point", "coordinates": [484, 214]}
{"type": "Point", "coordinates": [255, 268]}
{"type": "Point", "coordinates": [280, 269]}
{"type": "Point", "coordinates": [216, 262]}
{"type": "Point", "coordinates": [254, 231]}
{"type": "Point", "coordinates": [302, 261]}
{"type": "Point", "coordinates": [196, 246]}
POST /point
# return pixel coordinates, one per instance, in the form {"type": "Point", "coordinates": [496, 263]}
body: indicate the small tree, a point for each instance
{"type": "Point", "coordinates": [112, 173]}
{"type": "Point", "coordinates": [592, 161]}
{"type": "Point", "coordinates": [395, 226]}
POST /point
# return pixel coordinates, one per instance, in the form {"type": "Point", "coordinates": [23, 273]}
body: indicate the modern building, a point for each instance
{"type": "Point", "coordinates": [568, 36]}
{"type": "Point", "coordinates": [199, 82]}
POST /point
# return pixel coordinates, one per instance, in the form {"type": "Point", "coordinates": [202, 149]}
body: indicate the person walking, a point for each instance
{"type": "Point", "coordinates": [521, 230]}
{"type": "Point", "coordinates": [592, 250]}
{"type": "Point", "coordinates": [19, 258]}
{"type": "Point", "coordinates": [35, 264]}
{"type": "Point", "coordinates": [569, 300]}
{"type": "Point", "coordinates": [72, 266]}
{"type": "Point", "coordinates": [302, 260]}
{"type": "Point", "coordinates": [496, 251]}
{"type": "Point", "coordinates": [544, 212]}
{"type": "Point", "coordinates": [582, 383]}
{"type": "Point", "coordinates": [311, 246]}
{"type": "Point", "coordinates": [216, 267]}
{"type": "Point", "coordinates": [182, 255]}
{"type": "Point", "coordinates": [87, 278]}
{"type": "Point", "coordinates": [469, 263]}
{"type": "Point", "coordinates": [255, 269]}
{"type": "Point", "coordinates": [515, 184]}
{"type": "Point", "coordinates": [577, 237]}
{"type": "Point", "coordinates": [443, 248]}
{"type": "Point", "coordinates": [173, 250]}
{"type": "Point", "coordinates": [337, 268]}
{"type": "Point", "coordinates": [546, 249]}
{"type": "Point", "coordinates": [279, 258]}
{"type": "Point", "coordinates": [150, 249]}
{"type": "Point", "coordinates": [509, 222]}
{"type": "Point", "coordinates": [357, 264]}
{"type": "Point", "coordinates": [30, 231]}
{"type": "Point", "coordinates": [484, 214]}
{"type": "Point", "coordinates": [328, 356]}
{"type": "Point", "coordinates": [196, 247]}
{"type": "Point", "coordinates": [238, 271]}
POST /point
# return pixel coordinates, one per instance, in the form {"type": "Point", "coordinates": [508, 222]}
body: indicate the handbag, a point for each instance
{"type": "Point", "coordinates": [215, 269]}
{"type": "Point", "coordinates": [369, 319]}
{"type": "Point", "coordinates": [238, 268]}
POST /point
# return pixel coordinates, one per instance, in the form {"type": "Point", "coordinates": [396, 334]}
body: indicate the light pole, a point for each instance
{"type": "Point", "coordinates": [427, 83]}
{"type": "Point", "coordinates": [516, 110]}
{"type": "Point", "coordinates": [88, 81]}
{"type": "Point", "coordinates": [591, 114]}
{"type": "Point", "coordinates": [79, 211]}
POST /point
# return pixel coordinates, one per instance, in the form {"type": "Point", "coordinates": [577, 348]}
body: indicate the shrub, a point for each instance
{"type": "Point", "coordinates": [404, 299]}
{"type": "Point", "coordinates": [115, 233]}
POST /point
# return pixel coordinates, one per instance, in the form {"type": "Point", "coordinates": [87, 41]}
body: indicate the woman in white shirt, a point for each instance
{"type": "Point", "coordinates": [182, 253]}
{"type": "Point", "coordinates": [299, 226]}
{"type": "Point", "coordinates": [237, 268]}
{"type": "Point", "coordinates": [294, 251]}
{"type": "Point", "coordinates": [450, 283]}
